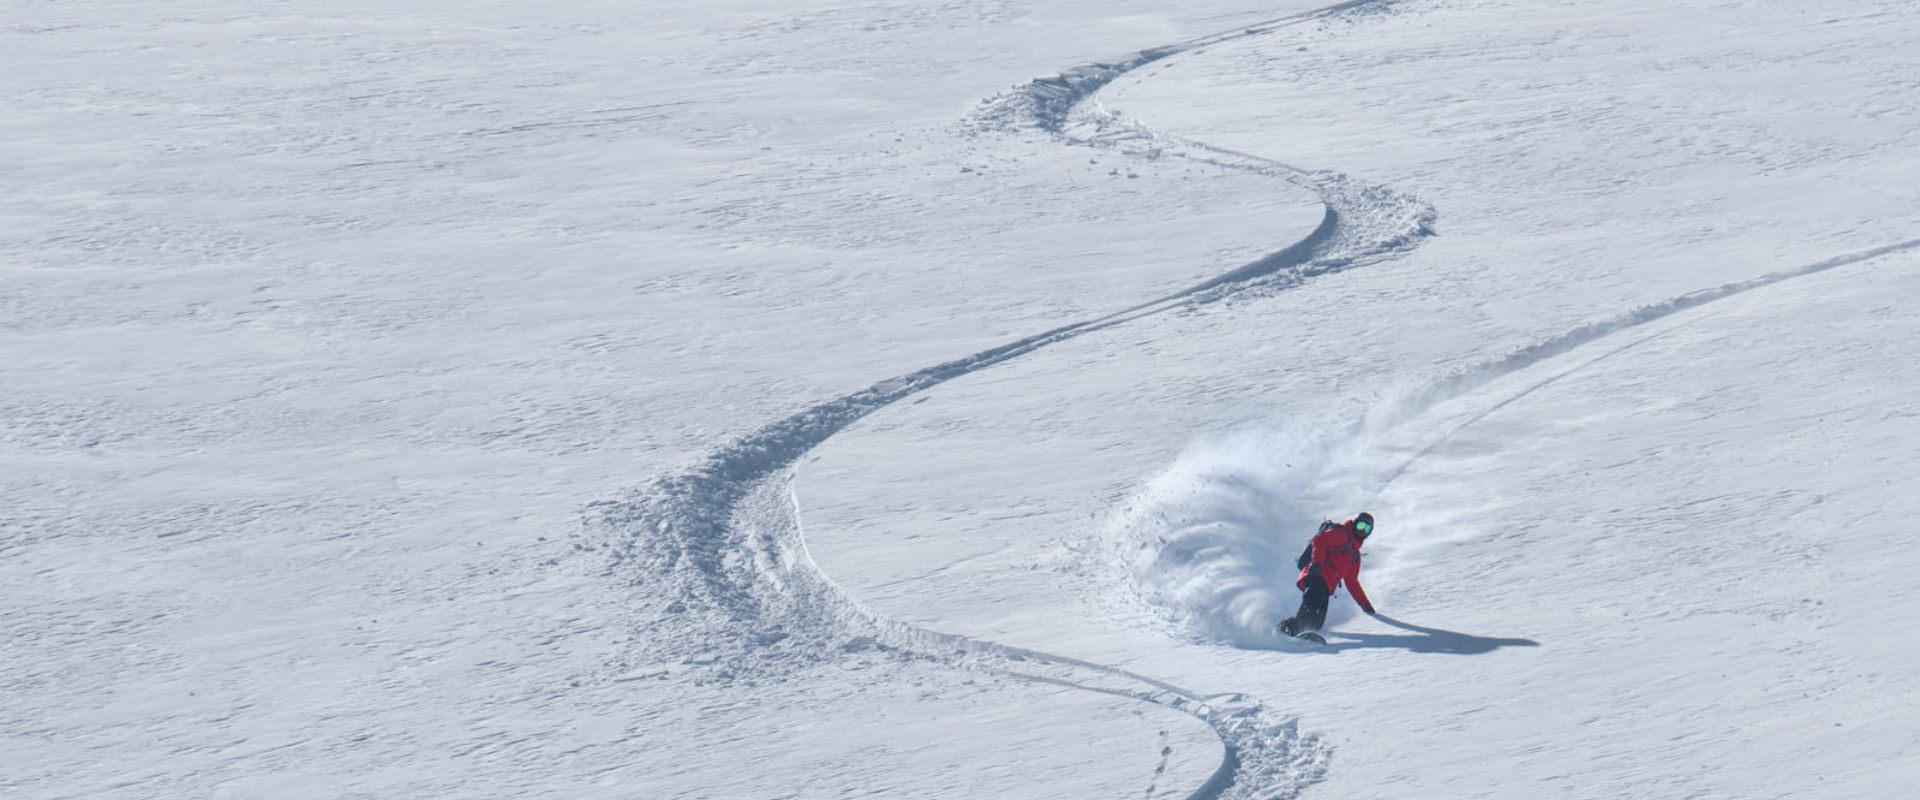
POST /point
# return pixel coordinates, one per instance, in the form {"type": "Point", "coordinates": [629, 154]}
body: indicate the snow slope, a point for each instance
{"type": "Point", "coordinates": [971, 422]}
{"type": "Point", "coordinates": [1364, 391]}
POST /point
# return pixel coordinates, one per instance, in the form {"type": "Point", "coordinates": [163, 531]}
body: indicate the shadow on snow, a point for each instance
{"type": "Point", "coordinates": [1427, 640]}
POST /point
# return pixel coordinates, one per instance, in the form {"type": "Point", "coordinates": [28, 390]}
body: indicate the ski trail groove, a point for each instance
{"type": "Point", "coordinates": [1362, 220]}
{"type": "Point", "coordinates": [717, 551]}
{"type": "Point", "coordinates": [1479, 376]}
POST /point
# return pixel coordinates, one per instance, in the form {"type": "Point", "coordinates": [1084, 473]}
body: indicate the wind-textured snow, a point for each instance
{"type": "Point", "coordinates": [929, 399]}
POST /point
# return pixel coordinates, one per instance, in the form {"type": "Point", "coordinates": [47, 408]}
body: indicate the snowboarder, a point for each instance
{"type": "Point", "coordinates": [1333, 557]}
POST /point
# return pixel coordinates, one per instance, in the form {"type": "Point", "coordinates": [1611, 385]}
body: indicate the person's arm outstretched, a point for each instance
{"type": "Point", "coordinates": [1359, 594]}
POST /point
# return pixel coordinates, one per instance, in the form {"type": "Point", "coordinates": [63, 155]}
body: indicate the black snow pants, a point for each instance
{"type": "Point", "coordinates": [1313, 605]}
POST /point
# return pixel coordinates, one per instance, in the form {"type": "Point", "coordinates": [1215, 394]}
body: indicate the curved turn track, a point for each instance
{"type": "Point", "coordinates": [716, 552]}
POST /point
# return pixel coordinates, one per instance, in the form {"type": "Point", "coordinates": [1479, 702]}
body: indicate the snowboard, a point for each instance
{"type": "Point", "coordinates": [1311, 636]}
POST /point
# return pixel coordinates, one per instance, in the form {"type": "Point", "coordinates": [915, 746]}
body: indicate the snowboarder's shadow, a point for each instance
{"type": "Point", "coordinates": [1429, 640]}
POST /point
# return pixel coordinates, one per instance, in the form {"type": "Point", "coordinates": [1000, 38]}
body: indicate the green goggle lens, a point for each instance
{"type": "Point", "coordinates": [1363, 527]}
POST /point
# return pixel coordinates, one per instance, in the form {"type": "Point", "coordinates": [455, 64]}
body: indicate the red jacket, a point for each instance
{"type": "Point", "coordinates": [1335, 553]}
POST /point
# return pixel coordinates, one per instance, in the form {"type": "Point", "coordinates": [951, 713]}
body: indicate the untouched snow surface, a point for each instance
{"type": "Point", "coordinates": [823, 399]}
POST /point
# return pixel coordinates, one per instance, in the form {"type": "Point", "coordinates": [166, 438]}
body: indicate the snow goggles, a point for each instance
{"type": "Point", "coordinates": [1364, 527]}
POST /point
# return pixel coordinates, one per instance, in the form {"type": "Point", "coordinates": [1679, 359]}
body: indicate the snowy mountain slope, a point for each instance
{"type": "Point", "coordinates": [1071, 425]}
{"type": "Point", "coordinates": [718, 569]}
{"type": "Point", "coordinates": [1710, 580]}
{"type": "Point", "coordinates": [325, 328]}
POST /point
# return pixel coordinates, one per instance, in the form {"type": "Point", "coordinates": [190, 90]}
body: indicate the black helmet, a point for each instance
{"type": "Point", "coordinates": [1363, 525]}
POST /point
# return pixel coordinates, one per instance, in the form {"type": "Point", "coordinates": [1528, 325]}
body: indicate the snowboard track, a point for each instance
{"type": "Point", "coordinates": [716, 550]}
{"type": "Point", "coordinates": [1464, 382]}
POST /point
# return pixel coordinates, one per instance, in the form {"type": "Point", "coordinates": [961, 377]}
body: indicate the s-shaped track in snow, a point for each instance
{"type": "Point", "coordinates": [715, 551]}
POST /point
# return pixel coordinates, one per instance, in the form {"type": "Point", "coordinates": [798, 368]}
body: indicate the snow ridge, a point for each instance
{"type": "Point", "coordinates": [716, 551]}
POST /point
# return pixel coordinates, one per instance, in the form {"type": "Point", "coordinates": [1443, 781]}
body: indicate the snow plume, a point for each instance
{"type": "Point", "coordinates": [1210, 543]}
